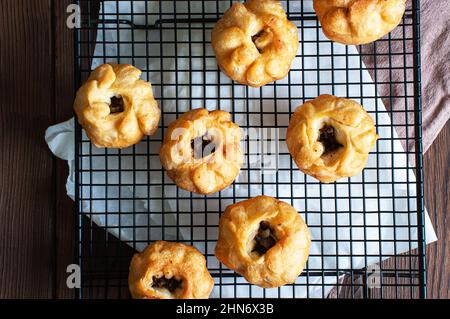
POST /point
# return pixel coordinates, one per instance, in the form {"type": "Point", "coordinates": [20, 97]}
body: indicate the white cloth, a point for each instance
{"type": "Point", "coordinates": [338, 219]}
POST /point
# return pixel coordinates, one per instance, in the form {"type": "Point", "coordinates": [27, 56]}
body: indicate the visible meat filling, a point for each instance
{"type": "Point", "coordinates": [264, 239]}
{"type": "Point", "coordinates": [255, 40]}
{"type": "Point", "coordinates": [116, 105]}
{"type": "Point", "coordinates": [170, 284]}
{"type": "Point", "coordinates": [199, 144]}
{"type": "Point", "coordinates": [328, 139]}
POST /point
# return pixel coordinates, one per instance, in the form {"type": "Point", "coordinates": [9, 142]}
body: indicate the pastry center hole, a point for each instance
{"type": "Point", "coordinates": [264, 239]}
{"type": "Point", "coordinates": [116, 105]}
{"type": "Point", "coordinates": [170, 284]}
{"type": "Point", "coordinates": [255, 39]}
{"type": "Point", "coordinates": [328, 139]}
{"type": "Point", "coordinates": [202, 146]}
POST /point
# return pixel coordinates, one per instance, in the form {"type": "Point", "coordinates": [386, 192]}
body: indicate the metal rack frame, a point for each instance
{"type": "Point", "coordinates": [104, 259]}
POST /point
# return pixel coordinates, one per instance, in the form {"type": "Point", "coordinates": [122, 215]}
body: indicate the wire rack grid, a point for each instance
{"type": "Point", "coordinates": [124, 199]}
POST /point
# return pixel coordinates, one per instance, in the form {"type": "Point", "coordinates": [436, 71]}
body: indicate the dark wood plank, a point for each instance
{"type": "Point", "coordinates": [66, 218]}
{"type": "Point", "coordinates": [437, 188]}
{"type": "Point", "coordinates": [27, 189]}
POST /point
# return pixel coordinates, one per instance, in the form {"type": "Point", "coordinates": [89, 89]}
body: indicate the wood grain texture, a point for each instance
{"type": "Point", "coordinates": [437, 191]}
{"type": "Point", "coordinates": [27, 190]}
{"type": "Point", "coordinates": [65, 217]}
{"type": "Point", "coordinates": [38, 220]}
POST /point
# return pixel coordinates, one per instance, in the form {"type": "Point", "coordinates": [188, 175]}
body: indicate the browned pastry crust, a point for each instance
{"type": "Point", "coordinates": [264, 259]}
{"type": "Point", "coordinates": [330, 138]}
{"type": "Point", "coordinates": [168, 270]}
{"type": "Point", "coordinates": [358, 21]}
{"type": "Point", "coordinates": [194, 169]}
{"type": "Point", "coordinates": [254, 42]}
{"type": "Point", "coordinates": [134, 114]}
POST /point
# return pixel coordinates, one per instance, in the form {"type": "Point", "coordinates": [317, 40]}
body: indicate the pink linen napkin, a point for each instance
{"type": "Point", "coordinates": [435, 52]}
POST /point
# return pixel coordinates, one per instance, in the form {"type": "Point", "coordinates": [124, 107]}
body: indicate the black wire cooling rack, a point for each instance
{"type": "Point", "coordinates": [124, 199]}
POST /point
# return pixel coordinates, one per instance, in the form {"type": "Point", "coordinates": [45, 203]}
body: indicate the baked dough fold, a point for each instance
{"type": "Point", "coordinates": [356, 22]}
{"type": "Point", "coordinates": [168, 270]}
{"type": "Point", "coordinates": [135, 114]}
{"type": "Point", "coordinates": [330, 138]}
{"type": "Point", "coordinates": [219, 161]}
{"type": "Point", "coordinates": [283, 260]}
{"type": "Point", "coordinates": [254, 42]}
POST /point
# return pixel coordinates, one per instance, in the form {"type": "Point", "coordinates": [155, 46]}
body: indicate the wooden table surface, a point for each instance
{"type": "Point", "coordinates": [37, 219]}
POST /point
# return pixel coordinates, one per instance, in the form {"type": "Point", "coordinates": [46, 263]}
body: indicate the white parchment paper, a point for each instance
{"type": "Point", "coordinates": [359, 223]}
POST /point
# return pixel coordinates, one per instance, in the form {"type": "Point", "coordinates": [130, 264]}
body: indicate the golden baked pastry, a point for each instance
{"type": "Point", "coordinates": [254, 42]}
{"type": "Point", "coordinates": [115, 107]}
{"type": "Point", "coordinates": [168, 270]}
{"type": "Point", "coordinates": [330, 137]}
{"type": "Point", "coordinates": [265, 240]}
{"type": "Point", "coordinates": [358, 21]}
{"type": "Point", "coordinates": [201, 151]}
